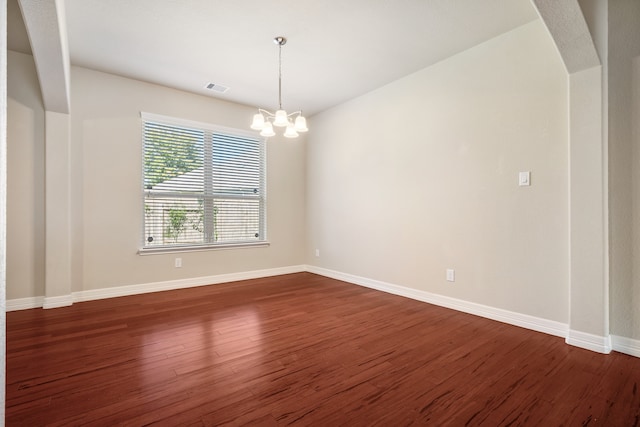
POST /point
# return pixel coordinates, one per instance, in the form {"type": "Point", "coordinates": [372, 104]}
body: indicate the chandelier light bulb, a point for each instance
{"type": "Point", "coordinates": [290, 132]}
{"type": "Point", "coordinates": [267, 130]}
{"type": "Point", "coordinates": [281, 119]}
{"type": "Point", "coordinates": [258, 122]}
{"type": "Point", "coordinates": [301, 124]}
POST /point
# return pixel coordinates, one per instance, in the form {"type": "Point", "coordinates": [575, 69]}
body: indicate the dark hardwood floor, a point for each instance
{"type": "Point", "coordinates": [301, 349]}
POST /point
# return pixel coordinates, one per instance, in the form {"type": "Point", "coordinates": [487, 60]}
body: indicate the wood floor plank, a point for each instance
{"type": "Point", "coordinates": [300, 349]}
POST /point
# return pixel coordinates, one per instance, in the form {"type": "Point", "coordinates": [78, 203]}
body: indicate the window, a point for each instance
{"type": "Point", "coordinates": [204, 186]}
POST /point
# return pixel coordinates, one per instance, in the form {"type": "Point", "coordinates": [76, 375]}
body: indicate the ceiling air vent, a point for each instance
{"type": "Point", "coordinates": [217, 88]}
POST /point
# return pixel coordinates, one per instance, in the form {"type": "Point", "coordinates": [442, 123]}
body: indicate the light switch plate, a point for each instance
{"type": "Point", "coordinates": [451, 275]}
{"type": "Point", "coordinates": [524, 179]}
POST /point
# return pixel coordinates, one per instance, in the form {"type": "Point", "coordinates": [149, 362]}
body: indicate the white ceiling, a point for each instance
{"type": "Point", "coordinates": [337, 49]}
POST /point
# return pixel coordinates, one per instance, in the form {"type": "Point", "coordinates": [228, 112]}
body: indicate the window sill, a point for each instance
{"type": "Point", "coordinates": [176, 249]}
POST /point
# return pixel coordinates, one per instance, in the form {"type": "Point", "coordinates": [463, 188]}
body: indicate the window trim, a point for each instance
{"type": "Point", "coordinates": [199, 248]}
{"type": "Point", "coordinates": [142, 249]}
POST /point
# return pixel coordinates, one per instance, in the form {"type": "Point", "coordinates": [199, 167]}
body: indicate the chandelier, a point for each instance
{"type": "Point", "coordinates": [265, 120]}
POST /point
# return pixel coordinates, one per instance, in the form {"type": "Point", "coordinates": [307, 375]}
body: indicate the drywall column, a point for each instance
{"type": "Point", "coordinates": [624, 189]}
{"type": "Point", "coordinates": [579, 43]}
{"type": "Point", "coordinates": [635, 174]}
{"type": "Point", "coordinates": [57, 209]}
{"type": "Point", "coordinates": [45, 23]}
{"type": "Point", "coordinates": [589, 302]}
{"type": "Point", "coordinates": [3, 201]}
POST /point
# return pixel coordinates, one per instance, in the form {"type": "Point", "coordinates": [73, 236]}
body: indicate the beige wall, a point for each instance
{"type": "Point", "coordinates": [106, 185]}
{"type": "Point", "coordinates": [3, 199]}
{"type": "Point", "coordinates": [624, 166]}
{"type": "Point", "coordinates": [635, 226]}
{"type": "Point", "coordinates": [421, 175]}
{"type": "Point", "coordinates": [25, 176]}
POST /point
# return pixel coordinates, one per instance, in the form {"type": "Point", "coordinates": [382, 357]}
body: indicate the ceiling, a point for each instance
{"type": "Point", "coordinates": [336, 50]}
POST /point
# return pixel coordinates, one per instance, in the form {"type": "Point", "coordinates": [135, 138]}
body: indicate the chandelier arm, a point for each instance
{"type": "Point", "coordinates": [267, 113]}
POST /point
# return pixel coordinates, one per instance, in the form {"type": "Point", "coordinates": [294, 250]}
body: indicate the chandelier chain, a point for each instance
{"type": "Point", "coordinates": [280, 75]}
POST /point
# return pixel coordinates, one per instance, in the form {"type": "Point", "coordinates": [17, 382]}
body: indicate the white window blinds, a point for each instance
{"type": "Point", "coordinates": [203, 185]}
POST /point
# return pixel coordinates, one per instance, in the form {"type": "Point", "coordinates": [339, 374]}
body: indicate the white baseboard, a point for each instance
{"type": "Point", "coordinates": [24, 303]}
{"type": "Point", "coordinates": [591, 342]}
{"type": "Point", "coordinates": [518, 319]}
{"type": "Point", "coordinates": [625, 345]}
{"type": "Point", "coordinates": [59, 301]}
{"type": "Point", "coordinates": [169, 285]}
{"type": "Point", "coordinates": [120, 291]}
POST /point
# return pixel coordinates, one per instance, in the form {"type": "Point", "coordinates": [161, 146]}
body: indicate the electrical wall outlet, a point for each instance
{"type": "Point", "coordinates": [451, 275]}
{"type": "Point", "coordinates": [178, 262]}
{"type": "Point", "coordinates": [317, 252]}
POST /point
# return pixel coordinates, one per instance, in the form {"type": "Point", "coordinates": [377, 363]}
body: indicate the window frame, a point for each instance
{"type": "Point", "coordinates": [207, 128]}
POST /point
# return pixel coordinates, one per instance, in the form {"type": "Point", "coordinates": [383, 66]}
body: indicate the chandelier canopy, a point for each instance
{"type": "Point", "coordinates": [264, 120]}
